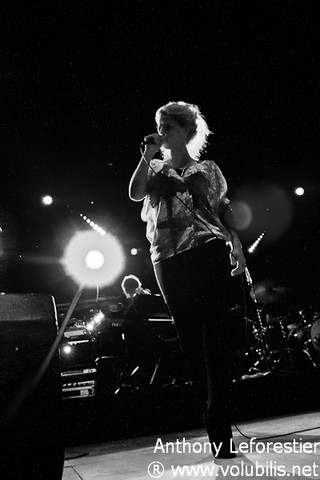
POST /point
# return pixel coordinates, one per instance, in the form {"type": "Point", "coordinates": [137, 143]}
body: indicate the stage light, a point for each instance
{"type": "Point", "coordinates": [135, 370]}
{"type": "Point", "coordinates": [92, 259]}
{"type": "Point", "coordinates": [67, 349]}
{"type": "Point", "coordinates": [252, 248]}
{"type": "Point", "coordinates": [93, 225]}
{"type": "Point", "coordinates": [134, 251]}
{"type": "Point", "coordinates": [47, 200]}
{"type": "Point", "coordinates": [299, 191]}
{"type": "Point", "coordinates": [98, 317]}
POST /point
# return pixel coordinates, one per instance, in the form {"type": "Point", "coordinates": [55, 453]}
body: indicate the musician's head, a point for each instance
{"type": "Point", "coordinates": [130, 284]}
{"type": "Point", "coordinates": [187, 117]}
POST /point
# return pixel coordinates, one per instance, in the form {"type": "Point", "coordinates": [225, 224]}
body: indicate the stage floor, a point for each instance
{"type": "Point", "coordinates": [292, 450]}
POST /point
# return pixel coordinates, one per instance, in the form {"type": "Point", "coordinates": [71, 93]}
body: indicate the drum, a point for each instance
{"type": "Point", "coordinates": [274, 340]}
{"type": "Point", "coordinates": [298, 336]}
{"type": "Point", "coordinates": [315, 335]}
{"type": "Point", "coordinates": [306, 338]}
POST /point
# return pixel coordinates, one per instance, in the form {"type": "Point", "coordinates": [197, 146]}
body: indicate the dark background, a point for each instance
{"type": "Point", "coordinates": [80, 84]}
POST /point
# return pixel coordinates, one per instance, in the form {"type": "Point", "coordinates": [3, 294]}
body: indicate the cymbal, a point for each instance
{"type": "Point", "coordinates": [267, 292]}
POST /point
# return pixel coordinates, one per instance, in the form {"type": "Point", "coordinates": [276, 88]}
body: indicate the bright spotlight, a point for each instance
{"type": "Point", "coordinates": [92, 259]}
{"type": "Point", "coordinates": [134, 251]}
{"type": "Point", "coordinates": [92, 224]}
{"type": "Point", "coordinates": [47, 200]}
{"type": "Point", "coordinates": [252, 248]}
{"type": "Point", "coordinates": [67, 349]}
{"type": "Point", "coordinates": [98, 317]}
{"type": "Point", "coordinates": [299, 191]}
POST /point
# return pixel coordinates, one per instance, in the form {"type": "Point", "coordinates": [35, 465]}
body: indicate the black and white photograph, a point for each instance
{"type": "Point", "coordinates": [159, 239]}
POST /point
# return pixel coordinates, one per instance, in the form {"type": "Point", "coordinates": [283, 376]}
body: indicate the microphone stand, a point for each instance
{"type": "Point", "coordinates": [259, 333]}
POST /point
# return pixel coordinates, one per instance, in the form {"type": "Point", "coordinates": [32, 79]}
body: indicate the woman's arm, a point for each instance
{"type": "Point", "coordinates": [237, 258]}
{"type": "Point", "coordinates": [225, 213]}
{"type": "Point", "coordinates": [138, 181]}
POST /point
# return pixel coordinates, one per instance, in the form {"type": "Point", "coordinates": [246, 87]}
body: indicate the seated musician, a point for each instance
{"type": "Point", "coordinates": [131, 287]}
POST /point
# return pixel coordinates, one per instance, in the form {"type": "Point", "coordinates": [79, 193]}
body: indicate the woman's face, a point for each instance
{"type": "Point", "coordinates": [175, 135]}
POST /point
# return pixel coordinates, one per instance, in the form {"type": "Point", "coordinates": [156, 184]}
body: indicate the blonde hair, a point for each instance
{"type": "Point", "coordinates": [188, 116]}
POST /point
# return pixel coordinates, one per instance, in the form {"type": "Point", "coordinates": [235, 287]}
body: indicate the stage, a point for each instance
{"type": "Point", "coordinates": [118, 438]}
{"type": "Point", "coordinates": [147, 422]}
{"type": "Point", "coordinates": [160, 456]}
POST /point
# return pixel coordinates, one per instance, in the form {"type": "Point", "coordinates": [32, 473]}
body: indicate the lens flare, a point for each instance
{"type": "Point", "coordinates": [262, 208]}
{"type": "Point", "coordinates": [242, 215]}
{"type": "Point", "coordinates": [91, 259]}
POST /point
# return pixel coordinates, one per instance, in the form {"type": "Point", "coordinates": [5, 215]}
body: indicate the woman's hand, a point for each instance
{"type": "Point", "coordinates": [237, 260]}
{"type": "Point", "coordinates": [138, 181]}
{"type": "Point", "coordinates": [152, 144]}
{"type": "Point", "coordinates": [236, 255]}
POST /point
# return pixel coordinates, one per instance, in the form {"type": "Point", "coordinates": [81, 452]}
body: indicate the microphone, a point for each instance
{"type": "Point", "coordinates": [150, 139]}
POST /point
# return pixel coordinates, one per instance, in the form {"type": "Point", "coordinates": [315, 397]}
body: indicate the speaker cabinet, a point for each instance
{"type": "Point", "coordinates": [30, 414]}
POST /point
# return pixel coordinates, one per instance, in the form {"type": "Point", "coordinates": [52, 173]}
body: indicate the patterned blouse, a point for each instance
{"type": "Point", "coordinates": [182, 210]}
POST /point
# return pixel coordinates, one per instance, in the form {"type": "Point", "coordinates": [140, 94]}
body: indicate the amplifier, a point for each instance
{"type": "Point", "coordinates": [78, 348]}
{"type": "Point", "coordinates": [31, 423]}
{"type": "Point", "coordinates": [79, 383]}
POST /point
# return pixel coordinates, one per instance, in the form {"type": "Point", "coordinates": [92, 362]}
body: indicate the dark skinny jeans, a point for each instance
{"type": "Point", "coordinates": [199, 290]}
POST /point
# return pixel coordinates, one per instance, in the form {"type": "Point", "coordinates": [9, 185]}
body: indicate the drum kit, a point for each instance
{"type": "Point", "coordinates": [281, 339]}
